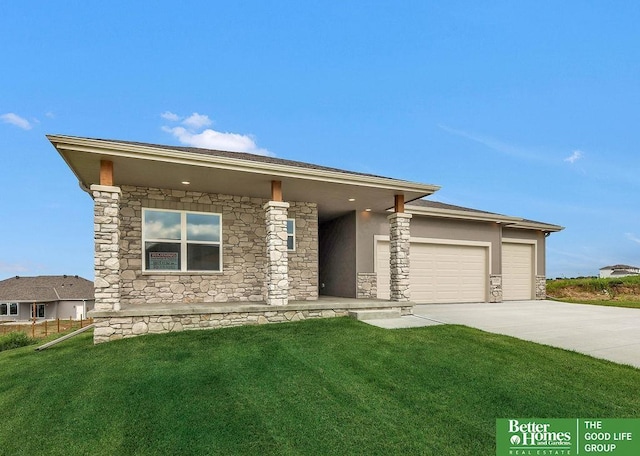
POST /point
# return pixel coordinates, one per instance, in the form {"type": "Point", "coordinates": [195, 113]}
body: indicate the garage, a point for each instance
{"type": "Point", "coordinates": [439, 273]}
{"type": "Point", "coordinates": [517, 271]}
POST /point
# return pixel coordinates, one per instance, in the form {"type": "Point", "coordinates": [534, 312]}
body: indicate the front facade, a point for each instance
{"type": "Point", "coordinates": [45, 297]}
{"type": "Point", "coordinates": [188, 238]}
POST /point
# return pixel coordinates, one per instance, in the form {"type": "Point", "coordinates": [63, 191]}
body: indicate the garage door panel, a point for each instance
{"type": "Point", "coordinates": [517, 271]}
{"type": "Point", "coordinates": [439, 272]}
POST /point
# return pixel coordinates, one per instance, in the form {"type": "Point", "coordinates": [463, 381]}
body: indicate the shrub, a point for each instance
{"type": "Point", "coordinates": [15, 340]}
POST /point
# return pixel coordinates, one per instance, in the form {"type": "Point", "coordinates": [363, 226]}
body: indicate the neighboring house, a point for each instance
{"type": "Point", "coordinates": [619, 270]}
{"type": "Point", "coordinates": [49, 296]}
{"type": "Point", "coordinates": [189, 238]}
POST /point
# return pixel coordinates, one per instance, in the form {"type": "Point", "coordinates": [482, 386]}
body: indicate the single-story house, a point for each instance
{"type": "Point", "coordinates": [53, 296]}
{"type": "Point", "coordinates": [619, 270]}
{"type": "Point", "coordinates": [189, 238]}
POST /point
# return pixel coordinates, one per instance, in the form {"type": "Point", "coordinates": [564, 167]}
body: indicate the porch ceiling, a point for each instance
{"type": "Point", "coordinates": [149, 166]}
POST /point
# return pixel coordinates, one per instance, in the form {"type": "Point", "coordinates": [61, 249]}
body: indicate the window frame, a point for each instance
{"type": "Point", "coordinates": [183, 242]}
{"type": "Point", "coordinates": [291, 235]}
{"type": "Point", "coordinates": [8, 309]}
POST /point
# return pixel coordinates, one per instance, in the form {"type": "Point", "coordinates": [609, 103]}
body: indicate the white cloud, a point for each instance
{"type": "Point", "coordinates": [190, 133]}
{"type": "Point", "coordinates": [16, 120]}
{"type": "Point", "coordinates": [574, 157]}
{"type": "Point", "coordinates": [633, 237]}
{"type": "Point", "coordinates": [211, 139]}
{"type": "Point", "coordinates": [168, 115]}
{"type": "Point", "coordinates": [196, 121]}
{"type": "Point", "coordinates": [50, 115]}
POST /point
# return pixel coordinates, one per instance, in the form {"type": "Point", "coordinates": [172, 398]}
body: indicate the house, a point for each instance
{"type": "Point", "coordinates": [48, 296]}
{"type": "Point", "coordinates": [188, 238]}
{"type": "Point", "coordinates": [619, 270]}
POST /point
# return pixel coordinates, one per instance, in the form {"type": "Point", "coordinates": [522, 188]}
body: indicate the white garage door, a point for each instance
{"type": "Point", "coordinates": [517, 271]}
{"type": "Point", "coordinates": [439, 273]}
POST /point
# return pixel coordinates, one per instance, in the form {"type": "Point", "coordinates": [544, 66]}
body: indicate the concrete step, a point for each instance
{"type": "Point", "coordinates": [374, 314]}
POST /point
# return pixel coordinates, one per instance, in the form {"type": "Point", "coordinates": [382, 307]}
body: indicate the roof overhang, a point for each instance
{"type": "Point", "coordinates": [460, 215]}
{"type": "Point", "coordinates": [478, 216]}
{"type": "Point", "coordinates": [159, 167]}
{"type": "Point", "coordinates": [539, 226]}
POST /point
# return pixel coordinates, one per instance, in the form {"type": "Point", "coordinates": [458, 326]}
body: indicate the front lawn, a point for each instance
{"type": "Point", "coordinates": [618, 302]}
{"type": "Point", "coordinates": [334, 386]}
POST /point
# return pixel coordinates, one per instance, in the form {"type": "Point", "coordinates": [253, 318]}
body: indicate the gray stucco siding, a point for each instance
{"type": "Point", "coordinates": [370, 225]}
{"type": "Point", "coordinates": [338, 257]}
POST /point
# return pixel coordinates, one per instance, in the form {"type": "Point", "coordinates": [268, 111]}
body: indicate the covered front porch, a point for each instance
{"type": "Point", "coordinates": [189, 238]}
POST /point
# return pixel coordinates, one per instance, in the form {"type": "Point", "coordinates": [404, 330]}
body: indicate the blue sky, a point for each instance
{"type": "Point", "coordinates": [527, 108]}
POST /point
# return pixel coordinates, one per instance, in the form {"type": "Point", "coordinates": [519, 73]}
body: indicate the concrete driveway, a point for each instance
{"type": "Point", "coordinates": [611, 333]}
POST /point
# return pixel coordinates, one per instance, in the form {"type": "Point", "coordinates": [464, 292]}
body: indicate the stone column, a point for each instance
{"type": "Point", "coordinates": [107, 246]}
{"type": "Point", "coordinates": [495, 282]}
{"type": "Point", "coordinates": [399, 233]}
{"type": "Point", "coordinates": [277, 271]}
{"type": "Point", "coordinates": [541, 287]}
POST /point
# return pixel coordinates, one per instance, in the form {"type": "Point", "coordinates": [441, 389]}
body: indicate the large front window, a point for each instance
{"type": "Point", "coordinates": [181, 241]}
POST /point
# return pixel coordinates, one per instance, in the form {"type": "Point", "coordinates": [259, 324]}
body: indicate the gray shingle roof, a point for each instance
{"type": "Point", "coordinates": [241, 156]}
{"type": "Point", "coordinates": [45, 289]}
{"type": "Point", "coordinates": [439, 205]}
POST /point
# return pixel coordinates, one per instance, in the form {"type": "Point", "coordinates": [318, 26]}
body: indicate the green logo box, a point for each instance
{"type": "Point", "coordinates": [567, 437]}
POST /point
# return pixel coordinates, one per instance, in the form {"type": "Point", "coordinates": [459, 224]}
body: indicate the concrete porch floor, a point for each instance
{"type": "Point", "coordinates": [201, 308]}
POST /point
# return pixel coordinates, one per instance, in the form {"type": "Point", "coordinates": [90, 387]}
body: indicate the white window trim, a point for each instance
{"type": "Point", "coordinates": [292, 235]}
{"type": "Point", "coordinates": [9, 314]}
{"type": "Point", "coordinates": [183, 242]}
{"type": "Point", "coordinates": [38, 307]}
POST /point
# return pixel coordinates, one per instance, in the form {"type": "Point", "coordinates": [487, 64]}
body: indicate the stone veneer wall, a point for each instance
{"type": "Point", "coordinates": [243, 250]}
{"type": "Point", "coordinates": [495, 284]}
{"type": "Point", "coordinates": [541, 287]}
{"type": "Point", "coordinates": [303, 261]}
{"type": "Point", "coordinates": [367, 285]}
{"type": "Point", "coordinates": [108, 329]}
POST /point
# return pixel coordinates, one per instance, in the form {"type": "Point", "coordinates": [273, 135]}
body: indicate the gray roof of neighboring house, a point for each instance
{"type": "Point", "coordinates": [620, 266]}
{"type": "Point", "coordinates": [241, 156]}
{"type": "Point", "coordinates": [46, 289]}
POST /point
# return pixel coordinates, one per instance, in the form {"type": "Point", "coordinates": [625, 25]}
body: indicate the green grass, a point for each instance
{"type": "Point", "coordinates": [15, 340]}
{"type": "Point", "coordinates": [334, 386]}
{"type": "Point", "coordinates": [593, 284]}
{"type": "Point", "coordinates": [633, 304]}
{"type": "Point", "coordinates": [616, 292]}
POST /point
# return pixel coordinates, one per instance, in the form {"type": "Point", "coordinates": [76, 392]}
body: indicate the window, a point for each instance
{"type": "Point", "coordinates": [291, 234]}
{"type": "Point", "coordinates": [10, 308]}
{"type": "Point", "coordinates": [39, 311]}
{"type": "Point", "coordinates": [181, 241]}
